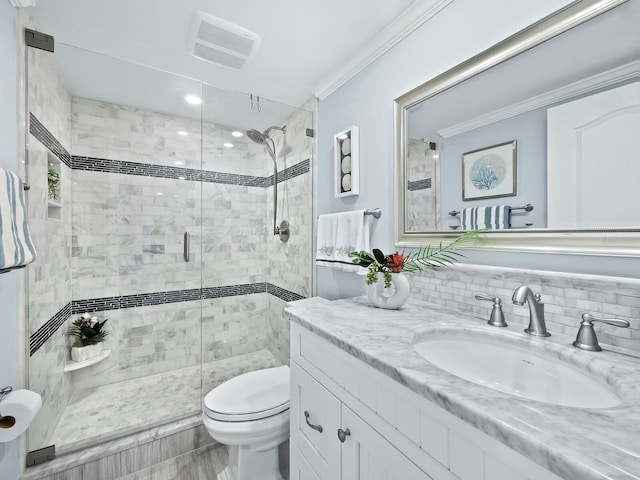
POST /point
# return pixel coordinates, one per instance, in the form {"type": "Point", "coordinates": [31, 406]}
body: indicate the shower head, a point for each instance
{"type": "Point", "coordinates": [256, 136]}
{"type": "Point", "coordinates": [261, 137]}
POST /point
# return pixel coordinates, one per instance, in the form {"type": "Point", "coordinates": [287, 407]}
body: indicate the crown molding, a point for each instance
{"type": "Point", "coordinates": [586, 85]}
{"type": "Point", "coordinates": [409, 20]}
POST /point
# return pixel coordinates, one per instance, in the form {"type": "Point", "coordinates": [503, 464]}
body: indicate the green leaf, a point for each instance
{"type": "Point", "coordinates": [380, 257]}
{"type": "Point", "coordinates": [440, 256]}
{"type": "Point", "coordinates": [361, 258]}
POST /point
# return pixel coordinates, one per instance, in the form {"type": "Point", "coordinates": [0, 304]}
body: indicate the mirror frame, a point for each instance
{"type": "Point", "coordinates": [624, 242]}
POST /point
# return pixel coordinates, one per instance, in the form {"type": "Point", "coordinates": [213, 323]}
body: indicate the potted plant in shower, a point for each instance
{"type": "Point", "coordinates": [89, 334]}
{"type": "Point", "coordinates": [53, 179]}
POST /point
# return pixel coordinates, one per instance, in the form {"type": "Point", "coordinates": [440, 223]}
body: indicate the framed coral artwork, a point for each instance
{"type": "Point", "coordinates": [346, 163]}
{"type": "Point", "coordinates": [489, 172]}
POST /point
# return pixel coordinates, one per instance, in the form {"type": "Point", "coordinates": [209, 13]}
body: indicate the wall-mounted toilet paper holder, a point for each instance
{"type": "Point", "coordinates": [3, 393]}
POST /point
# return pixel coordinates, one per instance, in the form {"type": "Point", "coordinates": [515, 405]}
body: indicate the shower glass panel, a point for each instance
{"type": "Point", "coordinates": [248, 273]}
{"type": "Point", "coordinates": [126, 150]}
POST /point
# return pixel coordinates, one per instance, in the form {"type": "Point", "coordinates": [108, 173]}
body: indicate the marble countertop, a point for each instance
{"type": "Point", "coordinates": [574, 443]}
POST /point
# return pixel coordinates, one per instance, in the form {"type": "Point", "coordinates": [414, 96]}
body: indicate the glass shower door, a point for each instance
{"type": "Point", "coordinates": [120, 242]}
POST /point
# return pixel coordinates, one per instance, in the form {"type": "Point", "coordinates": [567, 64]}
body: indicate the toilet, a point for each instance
{"type": "Point", "coordinates": [250, 414]}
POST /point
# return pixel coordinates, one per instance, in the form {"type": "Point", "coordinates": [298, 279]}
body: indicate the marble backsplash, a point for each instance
{"type": "Point", "coordinates": [566, 296]}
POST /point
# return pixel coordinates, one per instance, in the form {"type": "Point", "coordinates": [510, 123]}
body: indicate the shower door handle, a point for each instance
{"type": "Point", "coordinates": [187, 245]}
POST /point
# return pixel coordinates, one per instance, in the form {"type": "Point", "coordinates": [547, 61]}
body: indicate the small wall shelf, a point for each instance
{"type": "Point", "coordinates": [54, 206]}
{"type": "Point", "coordinates": [72, 366]}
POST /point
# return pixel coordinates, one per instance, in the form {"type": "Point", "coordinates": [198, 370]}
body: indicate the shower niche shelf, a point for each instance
{"type": "Point", "coordinates": [72, 366]}
{"type": "Point", "coordinates": [54, 205]}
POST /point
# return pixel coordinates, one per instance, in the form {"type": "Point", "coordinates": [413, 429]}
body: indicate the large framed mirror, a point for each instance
{"type": "Point", "coordinates": [535, 139]}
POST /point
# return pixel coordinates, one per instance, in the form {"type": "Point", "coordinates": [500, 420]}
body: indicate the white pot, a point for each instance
{"type": "Point", "coordinates": [80, 354]}
{"type": "Point", "coordinates": [391, 298]}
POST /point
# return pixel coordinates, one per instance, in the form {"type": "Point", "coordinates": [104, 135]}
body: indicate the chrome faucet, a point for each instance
{"type": "Point", "coordinates": [586, 339]}
{"type": "Point", "coordinates": [537, 325]}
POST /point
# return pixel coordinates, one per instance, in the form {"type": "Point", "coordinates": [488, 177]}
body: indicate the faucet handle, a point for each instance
{"type": "Point", "coordinates": [586, 338]}
{"type": "Point", "coordinates": [497, 315]}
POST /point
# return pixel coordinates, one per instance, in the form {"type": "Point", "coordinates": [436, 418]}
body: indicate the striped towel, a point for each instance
{"type": "Point", "coordinates": [16, 247]}
{"type": "Point", "coordinates": [497, 217]}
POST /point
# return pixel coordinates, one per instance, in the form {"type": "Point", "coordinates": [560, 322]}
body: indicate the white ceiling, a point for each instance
{"type": "Point", "coordinates": [307, 47]}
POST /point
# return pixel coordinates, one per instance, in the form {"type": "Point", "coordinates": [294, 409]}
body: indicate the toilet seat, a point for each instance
{"type": "Point", "coordinates": [250, 396]}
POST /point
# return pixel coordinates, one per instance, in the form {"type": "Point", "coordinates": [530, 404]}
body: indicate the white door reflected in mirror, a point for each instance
{"type": "Point", "coordinates": [592, 161]}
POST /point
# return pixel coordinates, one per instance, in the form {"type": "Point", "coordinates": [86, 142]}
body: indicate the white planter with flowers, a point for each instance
{"type": "Point", "coordinates": [89, 334]}
{"type": "Point", "coordinates": [391, 289]}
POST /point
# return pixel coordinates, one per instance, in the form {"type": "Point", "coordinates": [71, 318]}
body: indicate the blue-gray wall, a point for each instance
{"type": "Point", "coordinates": [461, 30]}
{"type": "Point", "coordinates": [8, 281]}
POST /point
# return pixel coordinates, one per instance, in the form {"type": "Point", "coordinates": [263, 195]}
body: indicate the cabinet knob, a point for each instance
{"type": "Point", "coordinates": [343, 434]}
{"type": "Point", "coordinates": [315, 427]}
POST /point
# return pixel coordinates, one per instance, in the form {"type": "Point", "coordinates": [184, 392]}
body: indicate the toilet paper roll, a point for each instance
{"type": "Point", "coordinates": [17, 411]}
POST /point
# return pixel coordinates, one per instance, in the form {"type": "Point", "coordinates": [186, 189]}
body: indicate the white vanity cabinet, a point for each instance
{"type": "Point", "coordinates": [394, 433]}
{"type": "Point", "coordinates": [364, 454]}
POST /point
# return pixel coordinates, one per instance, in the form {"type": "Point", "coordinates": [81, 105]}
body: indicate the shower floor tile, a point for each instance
{"type": "Point", "coordinates": [119, 409]}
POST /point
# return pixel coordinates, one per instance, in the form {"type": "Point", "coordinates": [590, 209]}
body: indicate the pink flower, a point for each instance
{"type": "Point", "coordinates": [395, 262]}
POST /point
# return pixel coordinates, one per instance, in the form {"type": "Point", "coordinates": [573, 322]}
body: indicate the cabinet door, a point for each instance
{"type": "Point", "coordinates": [299, 469]}
{"type": "Point", "coordinates": [366, 455]}
{"type": "Point", "coordinates": [321, 449]}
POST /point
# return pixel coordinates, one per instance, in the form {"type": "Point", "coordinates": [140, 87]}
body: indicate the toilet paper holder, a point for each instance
{"type": "Point", "coordinates": [3, 393]}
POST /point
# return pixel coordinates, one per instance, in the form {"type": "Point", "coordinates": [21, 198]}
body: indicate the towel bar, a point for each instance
{"type": "Point", "coordinates": [528, 207]}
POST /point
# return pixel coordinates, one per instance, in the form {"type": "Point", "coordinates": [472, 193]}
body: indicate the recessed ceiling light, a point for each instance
{"type": "Point", "coordinates": [183, 133]}
{"type": "Point", "coordinates": [159, 193]}
{"type": "Point", "coordinates": [342, 137]}
{"type": "Point", "coordinates": [228, 145]}
{"type": "Point", "coordinates": [236, 133]}
{"type": "Point", "coordinates": [178, 163]}
{"type": "Point", "coordinates": [193, 99]}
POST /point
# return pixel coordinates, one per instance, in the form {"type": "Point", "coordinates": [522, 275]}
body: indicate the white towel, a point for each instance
{"type": "Point", "coordinates": [16, 247]}
{"type": "Point", "coordinates": [340, 234]}
{"type": "Point", "coordinates": [497, 217]}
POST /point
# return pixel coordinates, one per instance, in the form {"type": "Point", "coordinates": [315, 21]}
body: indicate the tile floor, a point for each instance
{"type": "Point", "coordinates": [112, 411]}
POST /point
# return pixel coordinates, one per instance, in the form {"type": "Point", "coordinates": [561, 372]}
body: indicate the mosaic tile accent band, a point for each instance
{"type": "Point", "coordinates": [39, 338]}
{"type": "Point", "coordinates": [419, 184]}
{"type": "Point", "coordinates": [178, 173]}
{"type": "Point", "coordinates": [162, 171]}
{"type": "Point", "coordinates": [38, 130]}
{"type": "Point", "coordinates": [45, 137]}
{"type": "Point", "coordinates": [157, 298]}
{"type": "Point", "coordinates": [283, 294]}
{"type": "Point", "coordinates": [291, 172]}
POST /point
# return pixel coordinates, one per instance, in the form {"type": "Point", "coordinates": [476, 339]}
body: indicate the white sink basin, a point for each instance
{"type": "Point", "coordinates": [516, 370]}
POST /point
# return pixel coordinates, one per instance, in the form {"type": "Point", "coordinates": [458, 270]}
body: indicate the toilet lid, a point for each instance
{"type": "Point", "coordinates": [250, 396]}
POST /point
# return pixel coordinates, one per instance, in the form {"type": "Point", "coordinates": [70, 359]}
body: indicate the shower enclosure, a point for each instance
{"type": "Point", "coordinates": [160, 223]}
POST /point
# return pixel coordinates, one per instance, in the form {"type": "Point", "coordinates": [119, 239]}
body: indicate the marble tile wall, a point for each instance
{"type": "Point", "coordinates": [233, 234]}
{"type": "Point", "coordinates": [289, 264]}
{"type": "Point", "coordinates": [233, 326]}
{"type": "Point", "coordinates": [566, 296]}
{"type": "Point", "coordinates": [49, 277]}
{"type": "Point", "coordinates": [145, 341]}
{"type": "Point", "coordinates": [128, 234]}
{"type": "Point", "coordinates": [420, 196]}
{"type": "Point", "coordinates": [48, 96]}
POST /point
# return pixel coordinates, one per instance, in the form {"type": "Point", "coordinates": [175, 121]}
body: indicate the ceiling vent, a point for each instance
{"type": "Point", "coordinates": [221, 42]}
